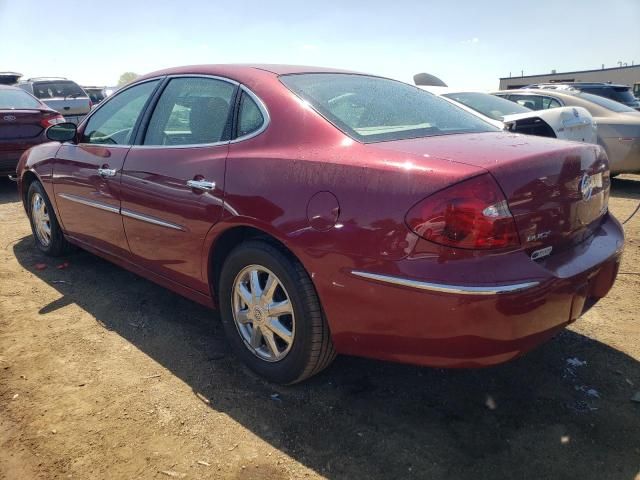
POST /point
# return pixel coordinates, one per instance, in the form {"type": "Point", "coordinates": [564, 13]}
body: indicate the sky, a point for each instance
{"type": "Point", "coordinates": [468, 43]}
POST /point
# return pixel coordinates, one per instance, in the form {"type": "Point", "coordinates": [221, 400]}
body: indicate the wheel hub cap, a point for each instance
{"type": "Point", "coordinates": [40, 219]}
{"type": "Point", "coordinates": [258, 315]}
{"type": "Point", "coordinates": [263, 313]}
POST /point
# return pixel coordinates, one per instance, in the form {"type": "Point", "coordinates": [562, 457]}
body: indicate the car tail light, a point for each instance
{"type": "Point", "coordinates": [472, 214]}
{"type": "Point", "coordinates": [48, 121]}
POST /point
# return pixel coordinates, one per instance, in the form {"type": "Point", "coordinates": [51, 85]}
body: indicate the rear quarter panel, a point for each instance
{"type": "Point", "coordinates": [270, 180]}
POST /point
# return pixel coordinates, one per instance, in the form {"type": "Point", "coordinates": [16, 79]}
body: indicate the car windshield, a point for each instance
{"type": "Point", "coordinates": [488, 105]}
{"type": "Point", "coordinates": [373, 109]}
{"type": "Point", "coordinates": [605, 102]}
{"type": "Point", "coordinates": [57, 89]}
{"type": "Point", "coordinates": [14, 99]}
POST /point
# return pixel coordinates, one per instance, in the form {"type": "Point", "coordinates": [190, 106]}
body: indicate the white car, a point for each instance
{"type": "Point", "coordinates": [567, 123]}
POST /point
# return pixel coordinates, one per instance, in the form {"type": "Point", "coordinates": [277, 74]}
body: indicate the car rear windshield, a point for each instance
{"type": "Point", "coordinates": [14, 99]}
{"type": "Point", "coordinates": [488, 105]}
{"type": "Point", "coordinates": [373, 109]}
{"type": "Point", "coordinates": [619, 94]}
{"type": "Point", "coordinates": [57, 89]}
{"type": "Point", "coordinates": [605, 102]}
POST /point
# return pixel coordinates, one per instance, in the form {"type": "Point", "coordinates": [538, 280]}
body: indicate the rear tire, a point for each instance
{"type": "Point", "coordinates": [272, 315]}
{"type": "Point", "coordinates": [46, 230]}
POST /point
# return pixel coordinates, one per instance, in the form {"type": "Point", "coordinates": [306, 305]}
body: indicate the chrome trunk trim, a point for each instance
{"type": "Point", "coordinates": [444, 288]}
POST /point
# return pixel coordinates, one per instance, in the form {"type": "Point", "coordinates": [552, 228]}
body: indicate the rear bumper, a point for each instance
{"type": "Point", "coordinates": [487, 311]}
{"type": "Point", "coordinates": [9, 161]}
{"type": "Point", "coordinates": [12, 150]}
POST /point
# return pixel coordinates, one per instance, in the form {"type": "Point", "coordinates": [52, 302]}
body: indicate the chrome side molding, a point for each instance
{"type": "Point", "coordinates": [121, 211]}
{"type": "Point", "coordinates": [149, 219]}
{"type": "Point", "coordinates": [90, 203]}
{"type": "Point", "coordinates": [444, 288]}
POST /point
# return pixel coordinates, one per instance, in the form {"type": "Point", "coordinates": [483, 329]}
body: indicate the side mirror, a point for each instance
{"type": "Point", "coordinates": [62, 132]}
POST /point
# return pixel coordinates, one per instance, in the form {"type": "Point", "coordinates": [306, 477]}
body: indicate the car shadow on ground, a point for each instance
{"type": "Point", "coordinates": [8, 191]}
{"type": "Point", "coordinates": [540, 416]}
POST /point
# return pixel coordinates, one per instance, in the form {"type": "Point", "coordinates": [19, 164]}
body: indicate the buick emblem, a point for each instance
{"type": "Point", "coordinates": [586, 186]}
{"type": "Point", "coordinates": [9, 118]}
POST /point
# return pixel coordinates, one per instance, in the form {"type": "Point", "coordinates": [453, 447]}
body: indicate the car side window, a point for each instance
{"type": "Point", "coordinates": [548, 102]}
{"type": "Point", "coordinates": [250, 118]}
{"type": "Point", "coordinates": [529, 101]}
{"type": "Point", "coordinates": [191, 111]}
{"type": "Point", "coordinates": [113, 123]}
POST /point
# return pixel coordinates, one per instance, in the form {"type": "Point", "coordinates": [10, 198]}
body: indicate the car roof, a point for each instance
{"type": "Point", "coordinates": [10, 87]}
{"type": "Point", "coordinates": [582, 84]}
{"type": "Point", "coordinates": [243, 71]}
{"type": "Point", "coordinates": [539, 91]}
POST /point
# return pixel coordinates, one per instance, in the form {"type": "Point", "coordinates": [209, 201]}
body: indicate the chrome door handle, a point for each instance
{"type": "Point", "coordinates": [107, 172]}
{"type": "Point", "coordinates": [201, 184]}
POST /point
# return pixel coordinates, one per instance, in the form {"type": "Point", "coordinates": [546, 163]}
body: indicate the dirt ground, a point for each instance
{"type": "Point", "coordinates": [106, 375]}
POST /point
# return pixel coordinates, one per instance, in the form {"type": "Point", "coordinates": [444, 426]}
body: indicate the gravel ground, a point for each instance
{"type": "Point", "coordinates": [106, 375]}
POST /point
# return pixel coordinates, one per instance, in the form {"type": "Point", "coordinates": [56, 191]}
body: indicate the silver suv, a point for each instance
{"type": "Point", "coordinates": [61, 94]}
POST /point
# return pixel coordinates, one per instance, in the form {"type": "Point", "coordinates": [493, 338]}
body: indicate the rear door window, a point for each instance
{"type": "Point", "coordinates": [192, 111]}
{"type": "Point", "coordinates": [536, 102]}
{"type": "Point", "coordinates": [548, 102]}
{"type": "Point", "coordinates": [250, 118]}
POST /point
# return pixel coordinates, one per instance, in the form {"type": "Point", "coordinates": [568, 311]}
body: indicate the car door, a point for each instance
{"type": "Point", "coordinates": [173, 178]}
{"type": "Point", "coordinates": [87, 174]}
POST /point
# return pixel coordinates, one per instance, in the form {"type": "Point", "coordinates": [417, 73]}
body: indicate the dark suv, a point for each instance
{"type": "Point", "coordinates": [619, 93]}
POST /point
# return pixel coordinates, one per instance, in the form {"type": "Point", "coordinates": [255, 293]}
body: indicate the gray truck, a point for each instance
{"type": "Point", "coordinates": [61, 94]}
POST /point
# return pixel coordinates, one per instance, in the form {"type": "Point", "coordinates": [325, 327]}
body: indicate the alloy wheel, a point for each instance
{"type": "Point", "coordinates": [263, 313]}
{"type": "Point", "coordinates": [40, 219]}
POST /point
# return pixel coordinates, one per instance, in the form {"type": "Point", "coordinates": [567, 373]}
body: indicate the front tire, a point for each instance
{"type": "Point", "coordinates": [272, 315]}
{"type": "Point", "coordinates": [46, 230]}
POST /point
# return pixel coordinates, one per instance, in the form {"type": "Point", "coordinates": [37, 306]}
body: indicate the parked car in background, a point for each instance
{"type": "Point", "coordinates": [96, 94]}
{"type": "Point", "coordinates": [620, 93]}
{"type": "Point", "coordinates": [9, 78]}
{"type": "Point", "coordinates": [329, 212]}
{"type": "Point", "coordinates": [23, 120]}
{"type": "Point", "coordinates": [618, 125]}
{"type": "Point", "coordinates": [566, 123]}
{"type": "Point", "coordinates": [61, 94]}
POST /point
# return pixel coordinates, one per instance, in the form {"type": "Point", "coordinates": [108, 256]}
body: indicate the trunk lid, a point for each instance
{"type": "Point", "coordinates": [21, 124]}
{"type": "Point", "coordinates": [69, 106]}
{"type": "Point", "coordinates": [557, 191]}
{"type": "Point", "coordinates": [566, 123]}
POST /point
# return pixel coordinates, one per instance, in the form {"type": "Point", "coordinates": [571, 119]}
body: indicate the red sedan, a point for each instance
{"type": "Point", "coordinates": [331, 212]}
{"type": "Point", "coordinates": [23, 120]}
